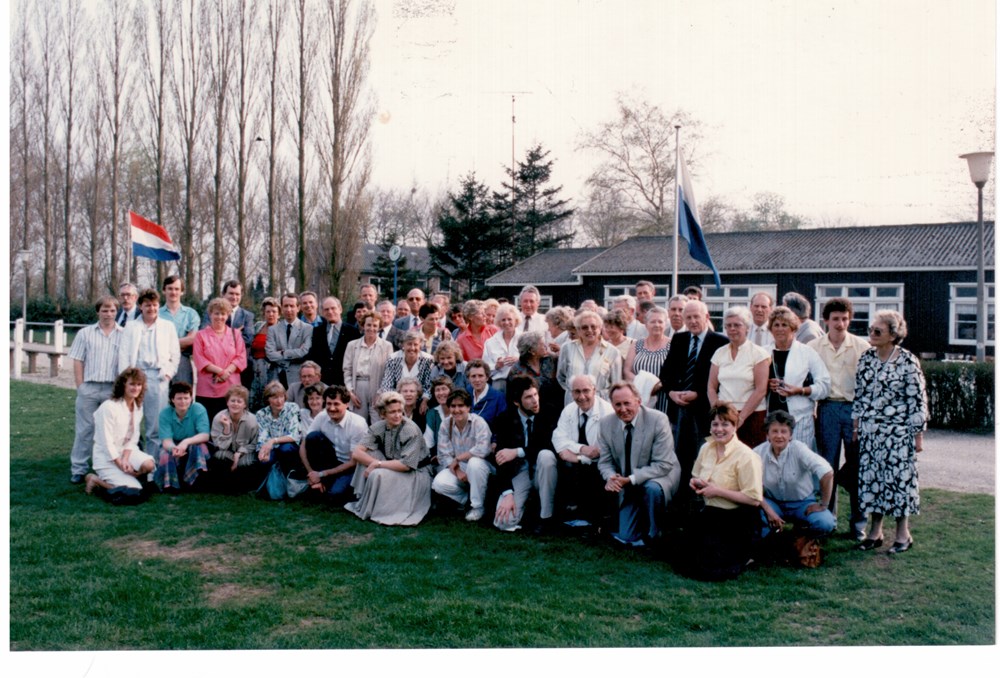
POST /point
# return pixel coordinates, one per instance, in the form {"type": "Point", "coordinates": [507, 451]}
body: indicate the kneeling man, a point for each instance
{"type": "Point", "coordinates": [524, 457]}
{"type": "Point", "coordinates": [638, 463]}
{"type": "Point", "coordinates": [575, 441]}
{"type": "Point", "coordinates": [791, 472]}
{"type": "Point", "coordinates": [326, 448]}
{"type": "Point", "coordinates": [463, 449]}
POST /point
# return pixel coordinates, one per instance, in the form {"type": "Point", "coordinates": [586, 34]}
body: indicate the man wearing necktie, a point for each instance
{"type": "Point", "coordinates": [638, 464]}
{"type": "Point", "coordinates": [288, 340]}
{"type": "Point", "coordinates": [575, 441]}
{"type": "Point", "coordinates": [329, 342]}
{"type": "Point", "coordinates": [524, 456]}
{"type": "Point", "coordinates": [128, 308]}
{"type": "Point", "coordinates": [684, 376]}
{"type": "Point", "coordinates": [528, 301]}
{"type": "Point", "coordinates": [761, 305]}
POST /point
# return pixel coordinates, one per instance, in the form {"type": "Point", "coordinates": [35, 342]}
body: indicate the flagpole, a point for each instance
{"type": "Point", "coordinates": [677, 204]}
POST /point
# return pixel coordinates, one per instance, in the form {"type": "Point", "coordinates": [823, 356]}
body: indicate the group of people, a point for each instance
{"type": "Point", "coordinates": [572, 418]}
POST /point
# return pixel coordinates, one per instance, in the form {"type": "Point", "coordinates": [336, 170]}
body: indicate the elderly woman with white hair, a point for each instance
{"type": "Point", "coordinates": [392, 483]}
{"type": "Point", "coordinates": [500, 350]}
{"type": "Point", "coordinates": [797, 376]}
{"type": "Point", "coordinates": [739, 374]}
{"type": "Point", "coordinates": [890, 414]}
{"type": "Point", "coordinates": [589, 354]}
{"type": "Point", "coordinates": [536, 361]}
{"type": "Point", "coordinates": [560, 321]}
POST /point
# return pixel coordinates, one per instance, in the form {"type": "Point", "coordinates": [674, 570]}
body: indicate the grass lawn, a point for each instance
{"type": "Point", "coordinates": [207, 572]}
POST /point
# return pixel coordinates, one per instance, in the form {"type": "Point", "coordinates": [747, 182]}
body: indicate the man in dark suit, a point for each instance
{"type": "Point", "coordinates": [127, 308]}
{"type": "Point", "coordinates": [638, 464]}
{"type": "Point", "coordinates": [329, 342]}
{"type": "Point", "coordinates": [684, 376]}
{"type": "Point", "coordinates": [387, 311]}
{"type": "Point", "coordinates": [524, 456]}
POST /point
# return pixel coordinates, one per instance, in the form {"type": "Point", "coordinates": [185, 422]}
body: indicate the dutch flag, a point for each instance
{"type": "Point", "coordinates": [151, 240]}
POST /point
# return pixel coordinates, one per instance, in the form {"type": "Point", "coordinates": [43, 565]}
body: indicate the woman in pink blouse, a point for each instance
{"type": "Point", "coordinates": [219, 356]}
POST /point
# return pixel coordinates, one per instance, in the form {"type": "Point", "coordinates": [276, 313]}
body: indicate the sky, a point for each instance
{"type": "Point", "coordinates": [855, 112]}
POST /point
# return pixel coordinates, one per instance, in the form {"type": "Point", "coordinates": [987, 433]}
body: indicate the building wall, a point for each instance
{"type": "Point", "coordinates": [926, 297]}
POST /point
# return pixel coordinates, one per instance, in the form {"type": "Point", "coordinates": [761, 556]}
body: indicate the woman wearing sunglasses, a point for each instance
{"type": "Point", "coordinates": [890, 414]}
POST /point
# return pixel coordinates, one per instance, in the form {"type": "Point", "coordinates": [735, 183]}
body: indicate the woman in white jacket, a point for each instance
{"type": "Point", "coordinates": [364, 365]}
{"type": "Point", "coordinates": [798, 377]}
{"type": "Point", "coordinates": [117, 460]}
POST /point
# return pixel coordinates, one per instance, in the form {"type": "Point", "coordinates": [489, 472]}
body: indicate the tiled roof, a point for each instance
{"type": "Point", "coordinates": [840, 249]}
{"type": "Point", "coordinates": [547, 267]}
{"type": "Point", "coordinates": [417, 258]}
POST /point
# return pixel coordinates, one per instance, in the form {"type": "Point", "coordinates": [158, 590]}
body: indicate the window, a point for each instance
{"type": "Point", "coordinates": [661, 294]}
{"type": "Point", "coordinates": [545, 303]}
{"type": "Point", "coordinates": [962, 317]}
{"type": "Point", "coordinates": [719, 299]}
{"type": "Point", "coordinates": [866, 300]}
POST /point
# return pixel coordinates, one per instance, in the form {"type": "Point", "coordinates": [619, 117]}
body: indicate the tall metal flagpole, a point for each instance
{"type": "Point", "coordinates": [677, 204]}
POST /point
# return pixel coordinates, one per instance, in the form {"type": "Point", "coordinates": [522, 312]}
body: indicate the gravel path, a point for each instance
{"type": "Point", "coordinates": [963, 462]}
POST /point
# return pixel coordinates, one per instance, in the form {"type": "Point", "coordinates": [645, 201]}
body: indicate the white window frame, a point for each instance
{"type": "Point", "coordinates": [720, 299]}
{"type": "Point", "coordinates": [954, 301]}
{"type": "Point", "coordinates": [544, 303]}
{"type": "Point", "coordinates": [864, 305]}
{"type": "Point", "coordinates": [661, 294]}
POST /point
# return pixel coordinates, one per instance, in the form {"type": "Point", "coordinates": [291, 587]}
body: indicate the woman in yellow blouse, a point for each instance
{"type": "Point", "coordinates": [727, 475]}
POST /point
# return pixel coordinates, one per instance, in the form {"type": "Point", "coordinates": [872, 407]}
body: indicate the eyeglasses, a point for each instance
{"type": "Point", "coordinates": [875, 331]}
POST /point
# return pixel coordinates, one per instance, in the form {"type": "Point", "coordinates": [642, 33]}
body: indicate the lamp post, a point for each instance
{"type": "Point", "coordinates": [979, 170]}
{"type": "Point", "coordinates": [24, 255]}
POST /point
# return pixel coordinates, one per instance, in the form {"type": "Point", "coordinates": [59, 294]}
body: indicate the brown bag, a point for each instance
{"type": "Point", "coordinates": [807, 552]}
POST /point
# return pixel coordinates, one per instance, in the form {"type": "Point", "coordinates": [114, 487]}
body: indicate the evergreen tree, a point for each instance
{"type": "Point", "coordinates": [538, 219]}
{"type": "Point", "coordinates": [471, 246]}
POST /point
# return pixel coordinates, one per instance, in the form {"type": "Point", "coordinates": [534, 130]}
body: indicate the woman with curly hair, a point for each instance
{"type": "Point", "coordinates": [890, 414]}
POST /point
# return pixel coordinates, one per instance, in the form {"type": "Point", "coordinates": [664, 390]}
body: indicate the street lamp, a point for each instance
{"type": "Point", "coordinates": [24, 255]}
{"type": "Point", "coordinates": [979, 170]}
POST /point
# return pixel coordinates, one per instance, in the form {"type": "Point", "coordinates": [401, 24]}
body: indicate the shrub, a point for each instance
{"type": "Point", "coordinates": [960, 394]}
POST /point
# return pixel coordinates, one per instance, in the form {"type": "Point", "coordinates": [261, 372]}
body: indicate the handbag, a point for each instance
{"type": "Point", "coordinates": [295, 486]}
{"type": "Point", "coordinates": [275, 485]}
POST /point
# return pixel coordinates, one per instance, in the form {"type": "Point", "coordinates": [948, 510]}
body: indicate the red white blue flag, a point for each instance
{"type": "Point", "coordinates": [151, 240]}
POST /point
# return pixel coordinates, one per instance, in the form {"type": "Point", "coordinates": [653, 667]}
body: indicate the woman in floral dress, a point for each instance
{"type": "Point", "coordinates": [890, 414]}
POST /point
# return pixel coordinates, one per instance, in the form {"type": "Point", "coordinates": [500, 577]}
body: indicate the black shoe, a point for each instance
{"type": "Point", "coordinates": [77, 478]}
{"type": "Point", "coordinates": [870, 544]}
{"type": "Point", "coordinates": [546, 527]}
{"type": "Point", "coordinates": [900, 546]}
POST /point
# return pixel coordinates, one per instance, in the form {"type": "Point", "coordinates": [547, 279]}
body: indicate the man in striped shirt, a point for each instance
{"type": "Point", "coordinates": [95, 365]}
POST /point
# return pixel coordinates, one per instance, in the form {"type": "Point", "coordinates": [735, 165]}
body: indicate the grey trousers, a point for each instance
{"type": "Point", "coordinates": [89, 396]}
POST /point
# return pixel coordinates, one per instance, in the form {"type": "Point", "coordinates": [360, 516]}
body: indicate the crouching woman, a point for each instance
{"type": "Point", "coordinates": [118, 462]}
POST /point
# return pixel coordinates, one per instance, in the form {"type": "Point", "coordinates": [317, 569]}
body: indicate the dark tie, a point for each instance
{"type": "Point", "coordinates": [628, 449]}
{"type": "Point", "coordinates": [333, 337]}
{"type": "Point", "coordinates": [288, 333]}
{"type": "Point", "coordinates": [582, 436]}
{"type": "Point", "coordinates": [526, 319]}
{"type": "Point", "coordinates": [692, 361]}
{"type": "Point", "coordinates": [527, 439]}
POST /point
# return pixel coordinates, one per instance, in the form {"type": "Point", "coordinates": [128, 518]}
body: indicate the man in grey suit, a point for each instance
{"type": "Point", "coordinates": [637, 463]}
{"type": "Point", "coordinates": [288, 340]}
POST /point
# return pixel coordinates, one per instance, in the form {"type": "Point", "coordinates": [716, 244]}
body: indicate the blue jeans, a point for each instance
{"type": "Point", "coordinates": [815, 524]}
{"type": "Point", "coordinates": [322, 456]}
{"type": "Point", "coordinates": [834, 428]}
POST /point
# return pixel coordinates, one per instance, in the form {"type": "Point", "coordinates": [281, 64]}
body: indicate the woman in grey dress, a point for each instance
{"type": "Point", "coordinates": [392, 485]}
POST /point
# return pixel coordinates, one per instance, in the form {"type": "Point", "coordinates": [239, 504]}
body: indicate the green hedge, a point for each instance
{"type": "Point", "coordinates": [960, 394]}
{"type": "Point", "coordinates": [47, 310]}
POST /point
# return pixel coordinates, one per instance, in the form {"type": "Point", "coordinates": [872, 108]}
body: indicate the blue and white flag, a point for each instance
{"type": "Point", "coordinates": [689, 223]}
{"type": "Point", "coordinates": [151, 240]}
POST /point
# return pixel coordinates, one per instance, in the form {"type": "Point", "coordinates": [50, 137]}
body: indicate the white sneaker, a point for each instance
{"type": "Point", "coordinates": [474, 514]}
